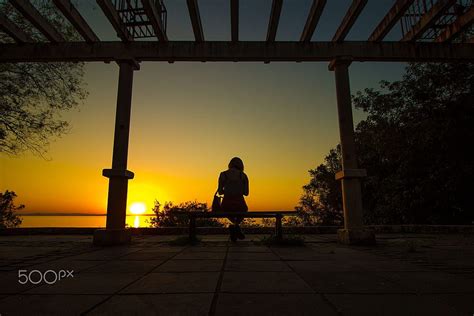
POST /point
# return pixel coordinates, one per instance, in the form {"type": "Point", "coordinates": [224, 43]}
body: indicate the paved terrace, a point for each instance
{"type": "Point", "coordinates": [411, 274]}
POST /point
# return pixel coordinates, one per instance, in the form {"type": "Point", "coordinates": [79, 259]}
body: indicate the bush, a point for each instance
{"type": "Point", "coordinates": [171, 215]}
{"type": "Point", "coordinates": [8, 218]}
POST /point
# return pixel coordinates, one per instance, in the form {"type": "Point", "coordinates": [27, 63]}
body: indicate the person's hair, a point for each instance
{"type": "Point", "coordinates": [236, 163]}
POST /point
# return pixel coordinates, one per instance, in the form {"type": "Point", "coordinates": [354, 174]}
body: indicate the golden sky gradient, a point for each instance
{"type": "Point", "coordinates": [190, 119]}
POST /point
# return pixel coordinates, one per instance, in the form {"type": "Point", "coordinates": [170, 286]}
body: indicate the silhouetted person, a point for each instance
{"type": "Point", "coordinates": [234, 184]}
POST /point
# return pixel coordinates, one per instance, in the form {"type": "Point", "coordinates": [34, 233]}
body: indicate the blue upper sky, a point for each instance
{"type": "Point", "coordinates": [253, 19]}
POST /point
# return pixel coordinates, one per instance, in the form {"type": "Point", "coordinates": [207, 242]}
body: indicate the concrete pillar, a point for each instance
{"type": "Point", "coordinates": [354, 231]}
{"type": "Point", "coordinates": [115, 232]}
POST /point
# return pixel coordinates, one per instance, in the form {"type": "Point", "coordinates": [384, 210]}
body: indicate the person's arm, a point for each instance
{"type": "Point", "coordinates": [246, 185]}
{"type": "Point", "coordinates": [220, 186]}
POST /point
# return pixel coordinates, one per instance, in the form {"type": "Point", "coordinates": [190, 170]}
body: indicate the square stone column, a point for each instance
{"type": "Point", "coordinates": [115, 232]}
{"type": "Point", "coordinates": [354, 231]}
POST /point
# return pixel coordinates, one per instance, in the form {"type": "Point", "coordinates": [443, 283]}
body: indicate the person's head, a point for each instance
{"type": "Point", "coordinates": [236, 163]}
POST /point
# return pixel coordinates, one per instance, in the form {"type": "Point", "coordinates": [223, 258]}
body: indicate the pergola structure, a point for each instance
{"type": "Point", "coordinates": [432, 31]}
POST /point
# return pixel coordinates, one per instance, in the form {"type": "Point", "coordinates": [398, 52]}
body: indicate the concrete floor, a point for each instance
{"type": "Point", "coordinates": [409, 274]}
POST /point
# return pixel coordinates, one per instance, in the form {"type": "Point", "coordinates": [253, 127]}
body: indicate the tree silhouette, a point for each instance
{"type": "Point", "coordinates": [33, 95]}
{"type": "Point", "coordinates": [321, 201]}
{"type": "Point", "coordinates": [414, 144]}
{"type": "Point", "coordinates": [8, 216]}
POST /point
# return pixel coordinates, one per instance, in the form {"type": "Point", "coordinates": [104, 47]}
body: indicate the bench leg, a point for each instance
{"type": "Point", "coordinates": [278, 227]}
{"type": "Point", "coordinates": [192, 228]}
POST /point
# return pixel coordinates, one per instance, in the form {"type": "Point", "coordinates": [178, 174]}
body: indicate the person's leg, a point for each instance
{"type": "Point", "coordinates": [237, 220]}
{"type": "Point", "coordinates": [233, 232]}
{"type": "Point", "coordinates": [238, 231]}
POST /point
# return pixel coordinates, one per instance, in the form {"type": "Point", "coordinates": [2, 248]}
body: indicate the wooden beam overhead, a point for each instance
{"type": "Point", "coordinates": [13, 31]}
{"type": "Point", "coordinates": [193, 9]}
{"type": "Point", "coordinates": [349, 19]}
{"type": "Point", "coordinates": [458, 26]}
{"type": "Point", "coordinates": [234, 20]}
{"type": "Point", "coordinates": [389, 21]}
{"type": "Point", "coordinates": [312, 21]}
{"type": "Point", "coordinates": [38, 21]}
{"type": "Point", "coordinates": [155, 19]}
{"type": "Point", "coordinates": [76, 19]}
{"type": "Point", "coordinates": [240, 51]}
{"type": "Point", "coordinates": [427, 20]}
{"type": "Point", "coordinates": [274, 20]}
{"type": "Point", "coordinates": [114, 19]}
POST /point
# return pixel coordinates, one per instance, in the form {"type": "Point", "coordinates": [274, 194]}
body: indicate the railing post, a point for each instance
{"type": "Point", "coordinates": [278, 227]}
{"type": "Point", "coordinates": [192, 227]}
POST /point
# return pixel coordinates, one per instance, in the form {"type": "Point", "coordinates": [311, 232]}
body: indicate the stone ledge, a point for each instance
{"type": "Point", "coordinates": [351, 173]}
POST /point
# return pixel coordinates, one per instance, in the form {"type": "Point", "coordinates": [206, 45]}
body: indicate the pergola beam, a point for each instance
{"type": "Point", "coordinates": [155, 19]}
{"type": "Point", "coordinates": [427, 20]}
{"type": "Point", "coordinates": [114, 19]}
{"type": "Point", "coordinates": [312, 21]}
{"type": "Point", "coordinates": [76, 19]}
{"type": "Point", "coordinates": [389, 21]}
{"type": "Point", "coordinates": [274, 20]}
{"type": "Point", "coordinates": [38, 21]}
{"type": "Point", "coordinates": [240, 51]}
{"type": "Point", "coordinates": [458, 26]}
{"type": "Point", "coordinates": [193, 9]}
{"type": "Point", "coordinates": [13, 31]}
{"type": "Point", "coordinates": [234, 20]}
{"type": "Point", "coordinates": [349, 19]}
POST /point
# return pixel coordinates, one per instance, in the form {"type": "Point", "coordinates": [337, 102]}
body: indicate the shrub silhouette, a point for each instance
{"type": "Point", "coordinates": [8, 218]}
{"type": "Point", "coordinates": [171, 215]}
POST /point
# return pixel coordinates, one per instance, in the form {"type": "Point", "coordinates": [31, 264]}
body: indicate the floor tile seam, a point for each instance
{"type": "Point", "coordinates": [108, 259]}
{"type": "Point", "coordinates": [183, 272]}
{"type": "Point", "coordinates": [270, 292]}
{"type": "Point", "coordinates": [268, 260]}
{"type": "Point", "coordinates": [215, 297]}
{"type": "Point", "coordinates": [55, 294]}
{"type": "Point", "coordinates": [165, 293]}
{"type": "Point", "coordinates": [257, 252]}
{"type": "Point", "coordinates": [58, 257]}
{"type": "Point", "coordinates": [328, 303]}
{"type": "Point", "coordinates": [398, 293]}
{"type": "Point", "coordinates": [194, 250]}
{"type": "Point", "coordinates": [102, 262]}
{"type": "Point", "coordinates": [130, 283]}
{"type": "Point", "coordinates": [198, 259]}
{"type": "Point", "coordinates": [358, 271]}
{"type": "Point", "coordinates": [162, 293]}
{"type": "Point", "coordinates": [259, 271]}
{"type": "Point", "coordinates": [331, 304]}
{"type": "Point", "coordinates": [138, 260]}
{"type": "Point", "coordinates": [395, 293]}
{"type": "Point", "coordinates": [195, 259]}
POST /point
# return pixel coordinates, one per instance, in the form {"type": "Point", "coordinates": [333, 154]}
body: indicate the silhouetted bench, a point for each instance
{"type": "Point", "coordinates": [278, 215]}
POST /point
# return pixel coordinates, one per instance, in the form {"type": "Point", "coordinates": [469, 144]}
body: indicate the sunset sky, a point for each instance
{"type": "Point", "coordinates": [189, 119]}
